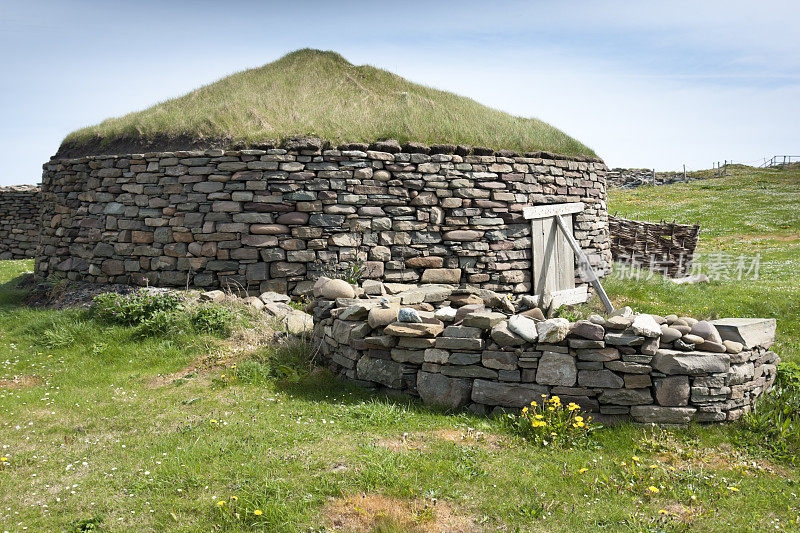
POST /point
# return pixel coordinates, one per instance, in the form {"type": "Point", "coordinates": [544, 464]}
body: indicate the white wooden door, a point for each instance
{"type": "Point", "coordinates": [553, 258]}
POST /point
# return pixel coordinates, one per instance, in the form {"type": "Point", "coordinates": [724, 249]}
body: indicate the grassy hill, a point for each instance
{"type": "Point", "coordinates": [316, 93]}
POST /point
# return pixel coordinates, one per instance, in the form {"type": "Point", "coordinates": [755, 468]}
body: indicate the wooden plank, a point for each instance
{"type": "Point", "coordinates": [576, 295]}
{"type": "Point", "coordinates": [565, 275]}
{"type": "Point", "coordinates": [545, 211]}
{"type": "Point", "coordinates": [585, 262]}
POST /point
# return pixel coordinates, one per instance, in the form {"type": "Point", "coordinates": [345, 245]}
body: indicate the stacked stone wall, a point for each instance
{"type": "Point", "coordinates": [462, 347]}
{"type": "Point", "coordinates": [276, 219]}
{"type": "Point", "coordinates": [19, 221]}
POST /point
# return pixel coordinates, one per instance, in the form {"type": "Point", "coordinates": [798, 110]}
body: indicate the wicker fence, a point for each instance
{"type": "Point", "coordinates": [663, 247]}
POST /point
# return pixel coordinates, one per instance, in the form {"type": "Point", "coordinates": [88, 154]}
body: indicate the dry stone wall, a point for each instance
{"type": "Point", "coordinates": [465, 347]}
{"type": "Point", "coordinates": [19, 221]}
{"type": "Point", "coordinates": [275, 219]}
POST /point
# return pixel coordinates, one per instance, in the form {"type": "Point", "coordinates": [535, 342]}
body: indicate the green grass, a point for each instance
{"type": "Point", "coordinates": [160, 453]}
{"type": "Point", "coordinates": [310, 92]}
{"type": "Point", "coordinates": [104, 434]}
{"type": "Point", "coordinates": [751, 215]}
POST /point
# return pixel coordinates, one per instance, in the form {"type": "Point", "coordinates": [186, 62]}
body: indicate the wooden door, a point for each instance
{"type": "Point", "coordinates": [553, 258]}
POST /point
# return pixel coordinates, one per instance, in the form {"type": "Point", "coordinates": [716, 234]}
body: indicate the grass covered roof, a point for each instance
{"type": "Point", "coordinates": [320, 94]}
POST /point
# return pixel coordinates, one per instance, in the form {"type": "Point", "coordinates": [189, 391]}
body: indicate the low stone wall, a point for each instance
{"type": "Point", "coordinates": [19, 221]}
{"type": "Point", "coordinates": [630, 178]}
{"type": "Point", "coordinates": [663, 247]}
{"type": "Point", "coordinates": [273, 219]}
{"type": "Point", "coordinates": [476, 348]}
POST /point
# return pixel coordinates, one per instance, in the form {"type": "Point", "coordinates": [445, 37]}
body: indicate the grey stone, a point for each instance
{"type": "Point", "coordinates": [671, 362]}
{"type": "Point", "coordinates": [733, 346]}
{"type": "Point", "coordinates": [553, 330]}
{"type": "Point", "coordinates": [672, 391]}
{"type": "Point", "coordinates": [623, 339]}
{"type": "Point", "coordinates": [383, 371]}
{"type": "Point", "coordinates": [441, 390]}
{"type": "Point", "coordinates": [626, 397]}
{"type": "Point", "coordinates": [336, 288]}
{"type": "Point", "coordinates": [669, 334]}
{"type": "Point", "coordinates": [600, 378]}
{"type": "Point", "coordinates": [587, 330]}
{"type": "Point", "coordinates": [505, 337]}
{"type": "Point", "coordinates": [556, 369]}
{"type": "Point", "coordinates": [483, 319]}
{"type": "Point", "coordinates": [524, 327]}
{"type": "Point", "coordinates": [654, 414]}
{"type": "Point", "coordinates": [601, 354]}
{"type": "Point", "coordinates": [750, 332]}
{"type": "Point", "coordinates": [506, 394]}
{"type": "Point", "coordinates": [456, 343]}
{"type": "Point", "coordinates": [469, 371]}
{"type": "Point", "coordinates": [628, 367]}
{"type": "Point", "coordinates": [707, 331]}
{"type": "Point", "coordinates": [408, 329]}
{"type": "Point", "coordinates": [645, 326]}
{"type": "Point", "coordinates": [445, 314]}
{"type": "Point", "coordinates": [464, 358]}
{"type": "Point", "coordinates": [499, 360]}
{"type": "Point", "coordinates": [406, 314]}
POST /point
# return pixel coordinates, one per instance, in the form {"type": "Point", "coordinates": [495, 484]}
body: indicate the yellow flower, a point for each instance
{"type": "Point", "coordinates": [582, 470]}
{"type": "Point", "coordinates": [258, 512]}
{"type": "Point", "coordinates": [573, 406]}
{"type": "Point", "coordinates": [3, 459]}
{"type": "Point", "coordinates": [221, 503]}
{"type": "Point", "coordinates": [555, 399]}
{"type": "Point", "coordinates": [578, 419]}
{"type": "Point", "coordinates": [543, 396]}
{"type": "Point", "coordinates": [539, 417]}
{"type": "Point", "coordinates": [653, 466]}
{"type": "Point", "coordinates": [579, 424]}
{"type": "Point", "coordinates": [551, 408]}
{"type": "Point", "coordinates": [653, 489]}
{"type": "Point", "coordinates": [662, 511]}
{"type": "Point", "coordinates": [733, 489]}
{"type": "Point", "coordinates": [524, 410]}
{"type": "Point", "coordinates": [234, 498]}
{"type": "Point", "coordinates": [635, 458]}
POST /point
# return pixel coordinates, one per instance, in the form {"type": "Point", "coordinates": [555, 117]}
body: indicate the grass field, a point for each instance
{"type": "Point", "coordinates": [314, 93]}
{"type": "Point", "coordinates": [100, 425]}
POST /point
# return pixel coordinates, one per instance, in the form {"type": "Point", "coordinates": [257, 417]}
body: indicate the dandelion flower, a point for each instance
{"type": "Point", "coordinates": [234, 498]}
{"type": "Point", "coordinates": [653, 489]}
{"type": "Point", "coordinates": [524, 410]}
{"type": "Point", "coordinates": [578, 419]}
{"type": "Point", "coordinates": [221, 503]}
{"type": "Point", "coordinates": [3, 459]}
{"type": "Point", "coordinates": [662, 511]}
{"type": "Point", "coordinates": [733, 489]}
{"type": "Point", "coordinates": [582, 470]}
{"type": "Point", "coordinates": [258, 512]}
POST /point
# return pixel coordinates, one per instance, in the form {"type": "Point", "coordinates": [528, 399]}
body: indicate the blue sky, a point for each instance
{"type": "Point", "coordinates": [646, 84]}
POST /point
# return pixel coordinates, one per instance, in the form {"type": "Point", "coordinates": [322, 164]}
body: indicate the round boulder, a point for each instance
{"type": "Point", "coordinates": [336, 288]}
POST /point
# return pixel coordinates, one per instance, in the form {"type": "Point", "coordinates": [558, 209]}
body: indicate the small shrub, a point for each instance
{"type": "Point", "coordinates": [82, 525]}
{"type": "Point", "coordinates": [136, 308]}
{"type": "Point", "coordinates": [552, 423]}
{"type": "Point", "coordinates": [774, 422]}
{"type": "Point", "coordinates": [287, 362]}
{"type": "Point", "coordinates": [214, 320]}
{"type": "Point", "coordinates": [350, 271]}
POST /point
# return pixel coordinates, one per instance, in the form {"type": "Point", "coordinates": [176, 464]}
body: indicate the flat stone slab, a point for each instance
{"type": "Point", "coordinates": [662, 415]}
{"type": "Point", "coordinates": [672, 362]}
{"type": "Point", "coordinates": [751, 332]}
{"type": "Point", "coordinates": [506, 395]}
